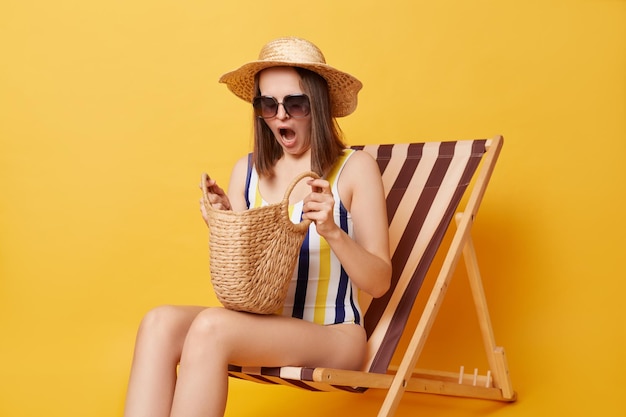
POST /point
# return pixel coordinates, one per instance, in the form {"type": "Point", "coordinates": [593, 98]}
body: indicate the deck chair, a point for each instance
{"type": "Point", "coordinates": [424, 185]}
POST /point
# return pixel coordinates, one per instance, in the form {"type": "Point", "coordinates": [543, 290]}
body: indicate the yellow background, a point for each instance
{"type": "Point", "coordinates": [110, 110]}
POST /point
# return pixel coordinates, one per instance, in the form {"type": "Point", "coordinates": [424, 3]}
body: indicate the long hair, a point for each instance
{"type": "Point", "coordinates": [326, 136]}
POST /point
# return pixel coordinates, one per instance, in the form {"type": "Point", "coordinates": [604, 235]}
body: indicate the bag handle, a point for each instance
{"type": "Point", "coordinates": [295, 181]}
{"type": "Point", "coordinates": [304, 224]}
{"type": "Point", "coordinates": [298, 227]}
{"type": "Point", "coordinates": [205, 191]}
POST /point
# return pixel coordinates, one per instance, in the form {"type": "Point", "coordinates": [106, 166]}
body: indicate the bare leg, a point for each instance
{"type": "Point", "coordinates": [158, 348]}
{"type": "Point", "coordinates": [218, 337]}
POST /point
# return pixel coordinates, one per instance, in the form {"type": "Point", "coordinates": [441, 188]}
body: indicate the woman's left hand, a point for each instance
{"type": "Point", "coordinates": [318, 207]}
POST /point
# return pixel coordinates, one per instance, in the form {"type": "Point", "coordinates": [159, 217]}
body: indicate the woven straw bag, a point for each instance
{"type": "Point", "coordinates": [253, 253]}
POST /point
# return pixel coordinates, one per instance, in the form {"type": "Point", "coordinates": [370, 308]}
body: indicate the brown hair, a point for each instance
{"type": "Point", "coordinates": [326, 136]}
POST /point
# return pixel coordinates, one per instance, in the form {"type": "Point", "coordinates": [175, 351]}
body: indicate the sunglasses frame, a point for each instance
{"type": "Point", "coordinates": [257, 107]}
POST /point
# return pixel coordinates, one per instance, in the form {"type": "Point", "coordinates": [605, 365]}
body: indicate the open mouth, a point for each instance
{"type": "Point", "coordinates": [287, 134]}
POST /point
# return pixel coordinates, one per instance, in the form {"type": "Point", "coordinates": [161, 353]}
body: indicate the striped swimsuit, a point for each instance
{"type": "Point", "coordinates": [320, 290]}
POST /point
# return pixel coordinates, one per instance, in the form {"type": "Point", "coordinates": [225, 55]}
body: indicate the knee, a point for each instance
{"type": "Point", "coordinates": [160, 322]}
{"type": "Point", "coordinates": [211, 329]}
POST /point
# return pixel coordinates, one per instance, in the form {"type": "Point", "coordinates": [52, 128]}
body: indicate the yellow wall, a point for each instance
{"type": "Point", "coordinates": [110, 110]}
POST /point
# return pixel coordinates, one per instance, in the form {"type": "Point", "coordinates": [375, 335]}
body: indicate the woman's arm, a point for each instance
{"type": "Point", "coordinates": [366, 259]}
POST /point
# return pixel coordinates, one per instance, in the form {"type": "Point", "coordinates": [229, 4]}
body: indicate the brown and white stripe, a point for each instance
{"type": "Point", "coordinates": [424, 184]}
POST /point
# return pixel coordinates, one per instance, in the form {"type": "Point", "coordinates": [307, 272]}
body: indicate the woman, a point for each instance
{"type": "Point", "coordinates": [295, 97]}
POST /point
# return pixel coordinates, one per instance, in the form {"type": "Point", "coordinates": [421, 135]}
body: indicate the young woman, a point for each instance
{"type": "Point", "coordinates": [296, 97]}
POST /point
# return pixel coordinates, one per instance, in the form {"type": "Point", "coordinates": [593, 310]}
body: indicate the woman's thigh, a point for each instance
{"type": "Point", "coordinates": [272, 340]}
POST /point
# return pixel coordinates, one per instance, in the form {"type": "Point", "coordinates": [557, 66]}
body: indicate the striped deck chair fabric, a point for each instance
{"type": "Point", "coordinates": [424, 185]}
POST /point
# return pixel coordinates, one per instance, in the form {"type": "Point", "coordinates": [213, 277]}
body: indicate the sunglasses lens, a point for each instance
{"type": "Point", "coordinates": [297, 105]}
{"type": "Point", "coordinates": [265, 107]}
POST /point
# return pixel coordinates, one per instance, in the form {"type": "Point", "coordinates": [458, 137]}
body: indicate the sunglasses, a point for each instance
{"type": "Point", "coordinates": [295, 105]}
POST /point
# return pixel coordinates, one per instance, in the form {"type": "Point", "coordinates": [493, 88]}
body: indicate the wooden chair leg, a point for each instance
{"type": "Point", "coordinates": [495, 354]}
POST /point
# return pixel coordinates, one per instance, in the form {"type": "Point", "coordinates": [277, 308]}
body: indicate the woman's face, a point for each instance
{"type": "Point", "coordinates": [293, 134]}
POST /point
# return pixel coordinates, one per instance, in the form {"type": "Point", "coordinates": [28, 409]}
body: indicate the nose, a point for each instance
{"type": "Point", "coordinates": [281, 113]}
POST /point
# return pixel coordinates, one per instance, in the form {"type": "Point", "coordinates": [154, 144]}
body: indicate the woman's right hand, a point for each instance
{"type": "Point", "coordinates": [215, 195]}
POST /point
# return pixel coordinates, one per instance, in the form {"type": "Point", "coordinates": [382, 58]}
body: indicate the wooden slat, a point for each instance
{"type": "Point", "coordinates": [352, 378]}
{"type": "Point", "coordinates": [434, 386]}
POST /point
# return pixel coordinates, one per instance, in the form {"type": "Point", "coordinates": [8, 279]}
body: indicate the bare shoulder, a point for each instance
{"type": "Point", "coordinates": [241, 167]}
{"type": "Point", "coordinates": [360, 179]}
{"type": "Point", "coordinates": [361, 167]}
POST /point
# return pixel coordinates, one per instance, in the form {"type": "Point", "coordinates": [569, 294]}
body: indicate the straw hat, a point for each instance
{"type": "Point", "coordinates": [295, 52]}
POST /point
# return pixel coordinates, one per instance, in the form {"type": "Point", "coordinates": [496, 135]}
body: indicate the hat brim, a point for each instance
{"type": "Point", "coordinates": [343, 88]}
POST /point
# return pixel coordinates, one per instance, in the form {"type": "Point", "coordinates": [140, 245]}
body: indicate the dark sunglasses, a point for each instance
{"type": "Point", "coordinates": [295, 105]}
